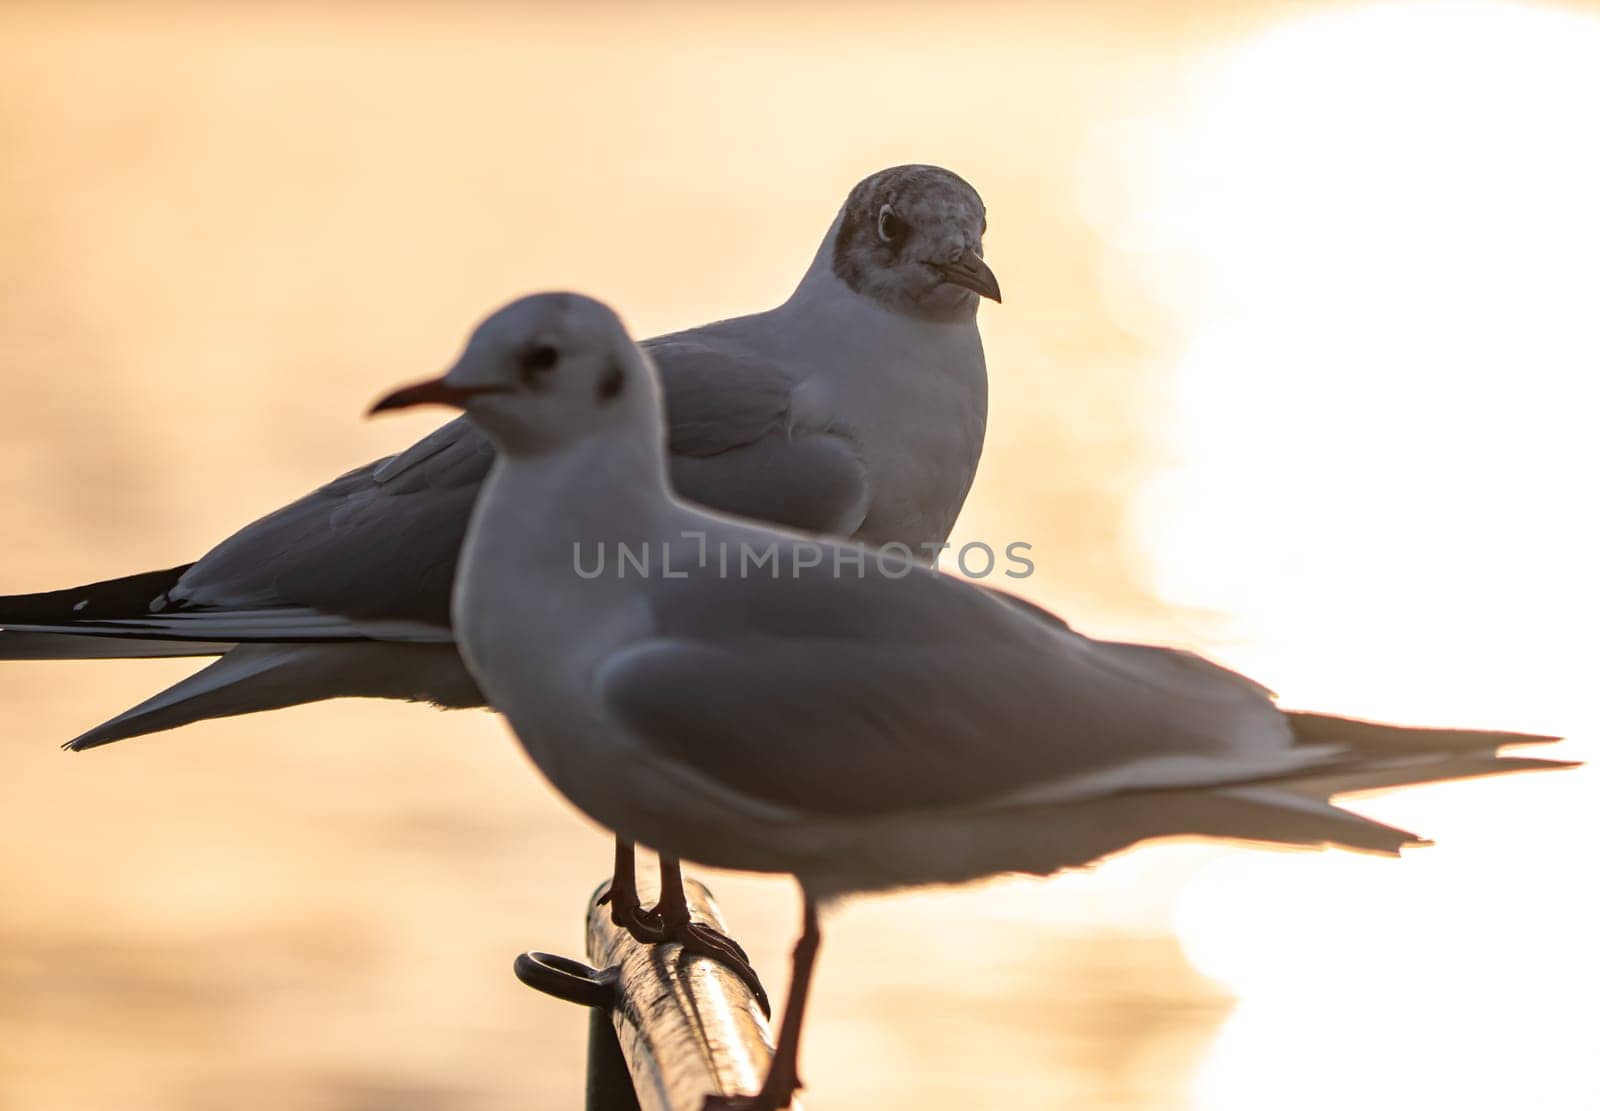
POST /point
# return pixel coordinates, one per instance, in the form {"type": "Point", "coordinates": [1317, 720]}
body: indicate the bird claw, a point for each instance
{"type": "Point", "coordinates": [717, 942]}
{"type": "Point", "coordinates": [626, 913]}
{"type": "Point", "coordinates": [669, 921]}
{"type": "Point", "coordinates": [699, 940]}
{"type": "Point", "coordinates": [643, 925]}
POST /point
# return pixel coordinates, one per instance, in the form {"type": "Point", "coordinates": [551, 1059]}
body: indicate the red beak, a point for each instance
{"type": "Point", "coordinates": [435, 391]}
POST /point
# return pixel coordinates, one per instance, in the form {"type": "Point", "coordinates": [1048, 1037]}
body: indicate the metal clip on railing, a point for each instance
{"type": "Point", "coordinates": [663, 1035]}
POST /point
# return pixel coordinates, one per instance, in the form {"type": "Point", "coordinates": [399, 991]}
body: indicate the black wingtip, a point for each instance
{"type": "Point", "coordinates": [129, 596]}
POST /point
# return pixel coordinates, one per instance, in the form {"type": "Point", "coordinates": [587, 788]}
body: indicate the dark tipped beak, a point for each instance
{"type": "Point", "coordinates": [435, 391]}
{"type": "Point", "coordinates": [971, 272]}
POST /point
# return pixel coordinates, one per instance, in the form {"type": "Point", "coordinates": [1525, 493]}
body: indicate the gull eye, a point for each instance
{"type": "Point", "coordinates": [891, 229]}
{"type": "Point", "coordinates": [534, 361]}
{"type": "Point", "coordinates": [610, 387]}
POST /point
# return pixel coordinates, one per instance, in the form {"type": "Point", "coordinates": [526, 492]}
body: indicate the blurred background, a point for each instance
{"type": "Point", "coordinates": [1296, 368]}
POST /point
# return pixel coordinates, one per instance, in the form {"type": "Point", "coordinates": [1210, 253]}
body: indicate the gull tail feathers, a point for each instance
{"type": "Point", "coordinates": [1290, 808]}
{"type": "Point", "coordinates": [1297, 808]}
{"type": "Point", "coordinates": [1378, 756]}
{"type": "Point", "coordinates": [1378, 738]}
{"type": "Point", "coordinates": [1414, 772]}
{"type": "Point", "coordinates": [256, 677]}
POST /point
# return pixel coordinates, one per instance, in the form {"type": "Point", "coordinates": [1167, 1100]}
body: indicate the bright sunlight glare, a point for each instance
{"type": "Point", "coordinates": [1378, 232]}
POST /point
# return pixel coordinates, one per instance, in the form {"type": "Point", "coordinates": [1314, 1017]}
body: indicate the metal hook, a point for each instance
{"type": "Point", "coordinates": [567, 979]}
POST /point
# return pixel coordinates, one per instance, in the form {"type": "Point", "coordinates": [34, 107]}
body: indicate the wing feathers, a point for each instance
{"type": "Point", "coordinates": [69, 646]}
{"type": "Point", "coordinates": [1379, 739]}
{"type": "Point", "coordinates": [285, 624]}
{"type": "Point", "coordinates": [121, 597]}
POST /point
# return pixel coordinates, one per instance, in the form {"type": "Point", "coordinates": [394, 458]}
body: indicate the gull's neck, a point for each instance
{"type": "Point", "coordinates": [911, 394]}
{"type": "Point", "coordinates": [820, 287]}
{"type": "Point", "coordinates": [823, 295]}
{"type": "Point", "coordinates": [600, 489]}
{"type": "Point", "coordinates": [531, 622]}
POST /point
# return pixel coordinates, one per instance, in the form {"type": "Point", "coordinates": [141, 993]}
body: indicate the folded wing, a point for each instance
{"type": "Point", "coordinates": [372, 554]}
{"type": "Point", "coordinates": [853, 697]}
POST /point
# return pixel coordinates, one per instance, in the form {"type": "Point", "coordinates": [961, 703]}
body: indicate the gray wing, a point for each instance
{"type": "Point", "coordinates": [378, 544]}
{"type": "Point", "coordinates": [859, 697]}
{"type": "Point", "coordinates": [374, 552]}
{"type": "Point", "coordinates": [736, 447]}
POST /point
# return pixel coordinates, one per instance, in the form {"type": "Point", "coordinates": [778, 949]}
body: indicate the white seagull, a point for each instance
{"type": "Point", "coordinates": [854, 719]}
{"type": "Point", "coordinates": [856, 408]}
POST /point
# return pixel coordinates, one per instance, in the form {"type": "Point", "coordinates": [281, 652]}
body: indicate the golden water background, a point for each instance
{"type": "Point", "coordinates": [225, 229]}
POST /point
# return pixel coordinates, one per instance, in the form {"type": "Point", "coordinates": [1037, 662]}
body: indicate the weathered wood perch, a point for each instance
{"type": "Point", "coordinates": [685, 1030]}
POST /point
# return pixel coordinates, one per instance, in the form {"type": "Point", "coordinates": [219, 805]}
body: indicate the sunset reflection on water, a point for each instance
{"type": "Point", "coordinates": [1294, 368]}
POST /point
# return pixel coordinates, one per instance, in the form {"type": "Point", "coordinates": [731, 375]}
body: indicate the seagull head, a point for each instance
{"type": "Point", "coordinates": [541, 372]}
{"type": "Point", "coordinates": [911, 238]}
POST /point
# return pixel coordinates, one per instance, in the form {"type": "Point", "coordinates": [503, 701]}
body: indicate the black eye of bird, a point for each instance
{"type": "Point", "coordinates": [891, 229]}
{"type": "Point", "coordinates": [534, 361]}
{"type": "Point", "coordinates": [610, 387]}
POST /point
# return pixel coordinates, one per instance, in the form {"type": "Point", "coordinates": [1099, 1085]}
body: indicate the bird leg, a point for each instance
{"type": "Point", "coordinates": [698, 939]}
{"type": "Point", "coordinates": [623, 895]}
{"type": "Point", "coordinates": [669, 919]}
{"type": "Point", "coordinates": [783, 1075]}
